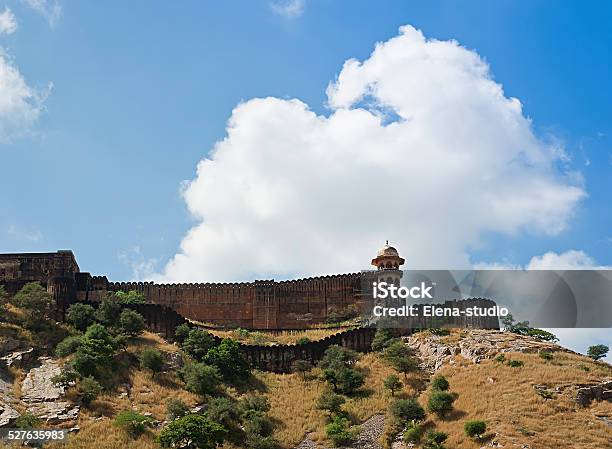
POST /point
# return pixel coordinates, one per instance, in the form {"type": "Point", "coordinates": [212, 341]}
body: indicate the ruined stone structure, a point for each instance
{"type": "Point", "coordinates": [265, 304]}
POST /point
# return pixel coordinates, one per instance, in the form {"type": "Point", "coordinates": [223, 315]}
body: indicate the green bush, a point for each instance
{"type": "Point", "coordinates": [515, 363]}
{"type": "Point", "coordinates": [253, 404]}
{"type": "Point", "coordinates": [181, 332]}
{"type": "Point", "coordinates": [224, 411]}
{"type": "Point", "coordinates": [152, 360]}
{"type": "Point", "coordinates": [440, 403]}
{"type": "Point", "coordinates": [131, 297]}
{"type": "Point", "coordinates": [132, 422]}
{"type": "Point", "coordinates": [399, 356]}
{"type": "Point", "coordinates": [192, 432]}
{"type": "Point", "coordinates": [131, 323]}
{"type": "Point", "coordinates": [96, 351]}
{"type": "Point", "coordinates": [66, 377]}
{"type": "Point", "coordinates": [383, 338]}
{"type": "Point", "coordinates": [435, 440]}
{"type": "Point", "coordinates": [439, 383]}
{"type": "Point", "coordinates": [89, 389]}
{"type": "Point", "coordinates": [392, 383]}
{"type": "Point", "coordinates": [200, 378]}
{"type": "Point", "coordinates": [176, 408]}
{"type": "Point", "coordinates": [413, 433]}
{"type": "Point", "coordinates": [330, 402]}
{"type": "Point", "coordinates": [34, 299]}
{"type": "Point", "coordinates": [441, 332]}
{"type": "Point", "coordinates": [597, 352]}
{"type": "Point", "coordinates": [475, 428]}
{"type": "Point", "coordinates": [197, 343]}
{"type": "Point", "coordinates": [229, 359]}
{"type": "Point", "coordinates": [301, 367]}
{"type": "Point", "coordinates": [407, 410]}
{"type": "Point", "coordinates": [68, 345]}
{"type": "Point", "coordinates": [338, 356]}
{"type": "Point", "coordinates": [340, 432]}
{"type": "Point", "coordinates": [303, 341]}
{"type": "Point", "coordinates": [108, 311]}
{"type": "Point", "coordinates": [27, 421]}
{"type": "Point", "coordinates": [546, 355]}
{"type": "Point", "coordinates": [81, 316]}
{"type": "Point", "coordinates": [500, 358]}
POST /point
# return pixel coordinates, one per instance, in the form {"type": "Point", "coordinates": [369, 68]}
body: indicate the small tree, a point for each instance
{"type": "Point", "coordinates": [192, 432]}
{"type": "Point", "coordinates": [181, 332]}
{"type": "Point", "coordinates": [399, 356]}
{"type": "Point", "coordinates": [302, 367]}
{"type": "Point", "coordinates": [337, 356]}
{"type": "Point", "coordinates": [439, 383]}
{"type": "Point", "coordinates": [131, 297]}
{"type": "Point", "coordinates": [131, 323]}
{"type": "Point", "coordinates": [407, 410]}
{"type": "Point", "coordinates": [435, 439]}
{"type": "Point", "coordinates": [35, 301]}
{"type": "Point", "coordinates": [224, 411]}
{"type": "Point", "coordinates": [200, 378]}
{"type": "Point", "coordinates": [153, 360]}
{"type": "Point", "coordinates": [392, 383]}
{"type": "Point", "coordinates": [330, 402]}
{"type": "Point", "coordinates": [440, 403]}
{"type": "Point", "coordinates": [176, 408]}
{"type": "Point", "coordinates": [597, 352]}
{"type": "Point", "coordinates": [475, 428]}
{"type": "Point", "coordinates": [89, 389]}
{"type": "Point", "coordinates": [413, 433]}
{"type": "Point", "coordinates": [339, 431]}
{"type": "Point", "coordinates": [197, 343]}
{"type": "Point", "coordinates": [81, 316]}
{"type": "Point", "coordinates": [108, 311]}
{"type": "Point", "coordinates": [132, 422]}
{"type": "Point", "coordinates": [68, 345]}
{"type": "Point", "coordinates": [383, 338]}
{"type": "Point", "coordinates": [96, 350]}
{"type": "Point", "coordinates": [229, 359]}
{"type": "Point", "coordinates": [254, 404]}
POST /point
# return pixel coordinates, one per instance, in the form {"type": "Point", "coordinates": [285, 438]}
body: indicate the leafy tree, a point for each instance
{"type": "Point", "coordinates": [229, 359]}
{"type": "Point", "coordinates": [392, 383]}
{"type": "Point", "coordinates": [475, 428]}
{"type": "Point", "coordinates": [192, 432]}
{"type": "Point", "coordinates": [339, 431]}
{"type": "Point", "coordinates": [337, 356]}
{"type": "Point", "coordinates": [399, 356]}
{"type": "Point", "coordinates": [435, 440]}
{"type": "Point", "coordinates": [383, 338]}
{"type": "Point", "coordinates": [68, 345]}
{"type": "Point", "coordinates": [131, 323]}
{"type": "Point", "coordinates": [439, 383]}
{"type": "Point", "coordinates": [258, 424]}
{"type": "Point", "coordinates": [153, 360]}
{"type": "Point", "coordinates": [181, 332]}
{"type": "Point", "coordinates": [176, 408]}
{"type": "Point", "coordinates": [597, 352]}
{"type": "Point", "coordinates": [224, 411]}
{"type": "Point", "coordinates": [108, 311]}
{"type": "Point", "coordinates": [330, 402]}
{"type": "Point", "coordinates": [301, 367]}
{"type": "Point", "coordinates": [197, 343]}
{"type": "Point", "coordinates": [541, 334]}
{"type": "Point", "coordinates": [407, 410]}
{"type": "Point", "coordinates": [440, 403]}
{"type": "Point", "coordinates": [131, 297]}
{"type": "Point", "coordinates": [200, 378]}
{"type": "Point", "coordinates": [36, 301]}
{"type": "Point", "coordinates": [337, 365]}
{"type": "Point", "coordinates": [81, 316]}
{"type": "Point", "coordinates": [132, 422]}
{"type": "Point", "coordinates": [96, 350]}
{"type": "Point", "coordinates": [89, 389]}
{"type": "Point", "coordinates": [254, 404]}
{"type": "Point", "coordinates": [523, 328]}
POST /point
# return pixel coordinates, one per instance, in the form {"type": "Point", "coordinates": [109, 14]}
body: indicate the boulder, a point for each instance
{"type": "Point", "coordinates": [7, 415]}
{"type": "Point", "coordinates": [38, 387]}
{"type": "Point", "coordinates": [54, 412]}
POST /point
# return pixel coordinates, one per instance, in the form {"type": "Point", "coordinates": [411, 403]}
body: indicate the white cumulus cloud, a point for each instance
{"type": "Point", "coordinates": [8, 22]}
{"type": "Point", "coordinates": [569, 260]}
{"type": "Point", "coordinates": [421, 146]}
{"type": "Point", "coordinates": [20, 104]}
{"type": "Point", "coordinates": [289, 9]}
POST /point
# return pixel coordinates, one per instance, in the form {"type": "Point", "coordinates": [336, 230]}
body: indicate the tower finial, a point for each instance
{"type": "Point", "coordinates": [387, 241]}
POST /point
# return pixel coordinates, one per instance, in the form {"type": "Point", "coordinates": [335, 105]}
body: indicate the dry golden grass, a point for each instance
{"type": "Point", "coordinates": [271, 338]}
{"type": "Point", "coordinates": [512, 408]}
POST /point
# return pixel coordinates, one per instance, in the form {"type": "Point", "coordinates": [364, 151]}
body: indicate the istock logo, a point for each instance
{"type": "Point", "coordinates": [384, 290]}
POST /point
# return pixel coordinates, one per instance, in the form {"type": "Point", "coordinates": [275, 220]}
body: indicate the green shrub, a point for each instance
{"type": "Point", "coordinates": [546, 355]}
{"type": "Point", "coordinates": [413, 433]}
{"type": "Point", "coordinates": [96, 351]}
{"type": "Point", "coordinates": [440, 403]}
{"type": "Point", "coordinates": [197, 343]}
{"type": "Point", "coordinates": [224, 411]}
{"type": "Point", "coordinates": [81, 316]}
{"type": "Point", "coordinates": [34, 299]}
{"type": "Point", "coordinates": [546, 394]}
{"type": "Point", "coordinates": [200, 378]}
{"type": "Point", "coordinates": [229, 359]}
{"type": "Point", "coordinates": [27, 421]}
{"type": "Point", "coordinates": [176, 408]}
{"type": "Point", "coordinates": [340, 432]}
{"type": "Point", "coordinates": [338, 356]}
{"type": "Point", "coordinates": [66, 377]}
{"type": "Point", "coordinates": [392, 383]}
{"type": "Point", "coordinates": [500, 358]}
{"type": "Point", "coordinates": [89, 389]}
{"type": "Point", "coordinates": [68, 345]}
{"type": "Point", "coordinates": [330, 402]}
{"type": "Point", "coordinates": [131, 323]}
{"type": "Point", "coordinates": [108, 311]}
{"type": "Point", "coordinates": [303, 341]}
{"type": "Point", "coordinates": [181, 332]}
{"type": "Point", "coordinates": [407, 410]}
{"type": "Point", "coordinates": [131, 297]}
{"type": "Point", "coordinates": [441, 332]}
{"type": "Point", "coordinates": [515, 363]}
{"type": "Point", "coordinates": [301, 367]}
{"type": "Point", "coordinates": [152, 360]}
{"type": "Point", "coordinates": [253, 404]}
{"type": "Point", "coordinates": [192, 432]}
{"type": "Point", "coordinates": [475, 428]}
{"type": "Point", "coordinates": [132, 422]}
{"type": "Point", "coordinates": [439, 383]}
{"type": "Point", "coordinates": [399, 356]}
{"type": "Point", "coordinates": [435, 440]}
{"type": "Point", "coordinates": [383, 338]}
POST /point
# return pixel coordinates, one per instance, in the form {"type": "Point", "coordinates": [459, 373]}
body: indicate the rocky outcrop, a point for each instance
{"type": "Point", "coordinates": [54, 412]}
{"type": "Point", "coordinates": [369, 434]}
{"type": "Point", "coordinates": [475, 345]}
{"type": "Point", "coordinates": [588, 393]}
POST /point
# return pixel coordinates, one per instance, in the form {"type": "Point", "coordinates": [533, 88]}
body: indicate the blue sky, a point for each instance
{"type": "Point", "coordinates": [142, 93]}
